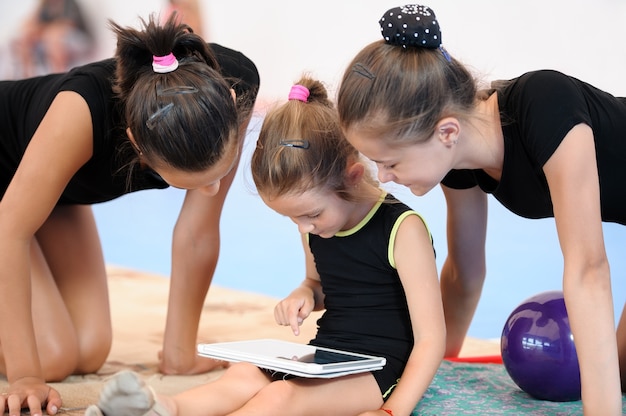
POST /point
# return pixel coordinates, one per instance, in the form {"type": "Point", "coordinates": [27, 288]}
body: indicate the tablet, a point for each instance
{"type": "Point", "coordinates": [293, 358]}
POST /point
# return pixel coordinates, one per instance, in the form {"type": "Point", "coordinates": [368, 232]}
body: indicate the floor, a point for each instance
{"type": "Point", "coordinates": [261, 250]}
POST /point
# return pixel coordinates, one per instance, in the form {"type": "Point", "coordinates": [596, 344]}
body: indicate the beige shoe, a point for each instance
{"type": "Point", "coordinates": [126, 394]}
{"type": "Point", "coordinates": [93, 410]}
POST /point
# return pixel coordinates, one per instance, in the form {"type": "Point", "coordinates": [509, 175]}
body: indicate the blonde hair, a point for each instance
{"type": "Point", "coordinates": [301, 147]}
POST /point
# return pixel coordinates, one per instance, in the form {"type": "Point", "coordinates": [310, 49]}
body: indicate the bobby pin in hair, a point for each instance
{"type": "Point", "coordinates": [158, 115]}
{"type": "Point", "coordinates": [445, 54]}
{"type": "Point", "coordinates": [167, 92]}
{"type": "Point", "coordinates": [360, 69]}
{"type": "Point", "coordinates": [299, 143]}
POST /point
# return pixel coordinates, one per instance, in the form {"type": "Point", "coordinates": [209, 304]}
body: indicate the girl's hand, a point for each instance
{"type": "Point", "coordinates": [30, 393]}
{"type": "Point", "coordinates": [295, 308]}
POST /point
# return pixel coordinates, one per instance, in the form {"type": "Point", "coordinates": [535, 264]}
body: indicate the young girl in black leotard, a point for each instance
{"type": "Point", "coordinates": [369, 263]}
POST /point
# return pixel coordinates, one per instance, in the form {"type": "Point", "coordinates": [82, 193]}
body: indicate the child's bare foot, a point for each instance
{"type": "Point", "coordinates": [126, 394]}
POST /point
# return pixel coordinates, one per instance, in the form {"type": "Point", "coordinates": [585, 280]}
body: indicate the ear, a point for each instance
{"type": "Point", "coordinates": [448, 130]}
{"type": "Point", "coordinates": [354, 173]}
{"type": "Point", "coordinates": [132, 140]}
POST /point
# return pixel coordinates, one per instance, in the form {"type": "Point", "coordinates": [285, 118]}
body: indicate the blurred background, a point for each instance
{"type": "Point", "coordinates": [261, 250]}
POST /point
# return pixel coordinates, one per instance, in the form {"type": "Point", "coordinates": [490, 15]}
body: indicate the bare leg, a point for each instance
{"type": "Point", "coordinates": [56, 338]}
{"type": "Point", "coordinates": [344, 396]}
{"type": "Point", "coordinates": [242, 390]}
{"type": "Point", "coordinates": [70, 242]}
{"type": "Point", "coordinates": [70, 299]}
{"type": "Point", "coordinates": [126, 394]}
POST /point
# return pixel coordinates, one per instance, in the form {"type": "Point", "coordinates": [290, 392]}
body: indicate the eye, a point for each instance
{"type": "Point", "coordinates": [313, 216]}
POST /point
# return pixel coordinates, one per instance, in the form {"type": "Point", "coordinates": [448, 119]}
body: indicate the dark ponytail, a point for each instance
{"type": "Point", "coordinates": [184, 118]}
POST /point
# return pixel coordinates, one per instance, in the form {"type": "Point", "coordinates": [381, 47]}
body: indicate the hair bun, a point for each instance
{"type": "Point", "coordinates": [411, 25]}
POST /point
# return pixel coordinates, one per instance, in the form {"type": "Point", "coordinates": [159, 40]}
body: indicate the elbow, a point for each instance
{"type": "Point", "coordinates": [590, 275]}
{"type": "Point", "coordinates": [434, 343]}
{"type": "Point", "coordinates": [466, 278]}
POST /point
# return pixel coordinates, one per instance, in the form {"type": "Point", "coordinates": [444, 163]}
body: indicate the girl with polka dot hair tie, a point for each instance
{"type": "Point", "coordinates": [543, 144]}
{"type": "Point", "coordinates": [370, 265]}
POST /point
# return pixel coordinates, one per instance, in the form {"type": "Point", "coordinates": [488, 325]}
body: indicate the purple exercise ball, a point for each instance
{"type": "Point", "coordinates": [538, 349]}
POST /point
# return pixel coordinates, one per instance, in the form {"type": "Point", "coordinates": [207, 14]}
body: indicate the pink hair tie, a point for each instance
{"type": "Point", "coordinates": [299, 92]}
{"type": "Point", "coordinates": [164, 64]}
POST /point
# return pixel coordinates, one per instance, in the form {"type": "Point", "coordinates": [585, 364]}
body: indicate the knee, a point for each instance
{"type": "Point", "coordinates": [278, 395]}
{"type": "Point", "coordinates": [256, 379]}
{"type": "Point", "coordinates": [94, 349]}
{"type": "Point", "coordinates": [245, 371]}
{"type": "Point", "coordinates": [58, 360]}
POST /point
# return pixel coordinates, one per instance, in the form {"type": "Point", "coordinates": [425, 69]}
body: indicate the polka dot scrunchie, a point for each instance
{"type": "Point", "coordinates": [412, 25]}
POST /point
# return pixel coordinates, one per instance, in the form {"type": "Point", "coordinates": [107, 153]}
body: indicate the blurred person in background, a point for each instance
{"type": "Point", "coordinates": [54, 38]}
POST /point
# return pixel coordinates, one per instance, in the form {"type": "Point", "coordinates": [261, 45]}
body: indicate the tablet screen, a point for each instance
{"type": "Point", "coordinates": [325, 357]}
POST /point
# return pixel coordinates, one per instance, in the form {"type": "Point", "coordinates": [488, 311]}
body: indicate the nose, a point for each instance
{"type": "Point", "coordinates": [385, 176]}
{"type": "Point", "coordinates": [305, 228]}
{"type": "Point", "coordinates": [210, 190]}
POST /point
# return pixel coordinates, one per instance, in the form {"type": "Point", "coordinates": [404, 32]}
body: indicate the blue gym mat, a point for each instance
{"type": "Point", "coordinates": [484, 389]}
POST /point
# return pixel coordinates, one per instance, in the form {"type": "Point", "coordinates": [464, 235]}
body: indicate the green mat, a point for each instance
{"type": "Point", "coordinates": [484, 389]}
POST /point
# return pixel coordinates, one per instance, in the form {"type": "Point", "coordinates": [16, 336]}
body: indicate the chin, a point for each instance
{"type": "Point", "coordinates": [326, 235]}
{"type": "Point", "coordinates": [419, 191]}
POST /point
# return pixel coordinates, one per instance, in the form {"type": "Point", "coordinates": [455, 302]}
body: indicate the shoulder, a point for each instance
{"type": "Point", "coordinates": [544, 96]}
{"type": "Point", "coordinates": [94, 78]}
{"type": "Point", "coordinates": [398, 212]}
{"type": "Point", "coordinates": [539, 108]}
{"type": "Point", "coordinates": [538, 85]}
{"type": "Point", "coordinates": [234, 64]}
{"type": "Point", "coordinates": [531, 84]}
{"type": "Point", "coordinates": [543, 75]}
{"type": "Point", "coordinates": [94, 83]}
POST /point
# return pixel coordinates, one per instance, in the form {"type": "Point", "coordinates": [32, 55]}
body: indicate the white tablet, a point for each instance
{"type": "Point", "coordinates": [293, 358]}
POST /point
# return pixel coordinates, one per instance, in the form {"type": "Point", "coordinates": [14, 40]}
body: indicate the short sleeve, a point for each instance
{"type": "Point", "coordinates": [548, 104]}
{"type": "Point", "coordinates": [240, 71]}
{"type": "Point", "coordinates": [460, 179]}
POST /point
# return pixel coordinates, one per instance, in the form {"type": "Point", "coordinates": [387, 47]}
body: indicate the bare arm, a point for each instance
{"type": "Point", "coordinates": [572, 176]}
{"type": "Point", "coordinates": [195, 251]}
{"type": "Point", "coordinates": [59, 147]}
{"type": "Point", "coordinates": [306, 298]}
{"type": "Point", "coordinates": [415, 262]}
{"type": "Point", "coordinates": [463, 272]}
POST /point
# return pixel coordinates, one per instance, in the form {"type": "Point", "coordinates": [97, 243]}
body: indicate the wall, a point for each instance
{"type": "Point", "coordinates": [497, 39]}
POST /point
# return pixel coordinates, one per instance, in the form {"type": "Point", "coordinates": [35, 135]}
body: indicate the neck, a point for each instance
{"type": "Point", "coordinates": [485, 140]}
{"type": "Point", "coordinates": [367, 196]}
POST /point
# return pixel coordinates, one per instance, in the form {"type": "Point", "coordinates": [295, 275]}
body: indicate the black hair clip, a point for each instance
{"type": "Point", "coordinates": [158, 115]}
{"type": "Point", "coordinates": [362, 70]}
{"type": "Point", "coordinates": [168, 92]}
{"type": "Point", "coordinates": [298, 143]}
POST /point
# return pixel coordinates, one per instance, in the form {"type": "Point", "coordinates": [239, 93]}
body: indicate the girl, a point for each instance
{"type": "Point", "coordinates": [544, 144]}
{"type": "Point", "coordinates": [168, 110]}
{"type": "Point", "coordinates": [369, 262]}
